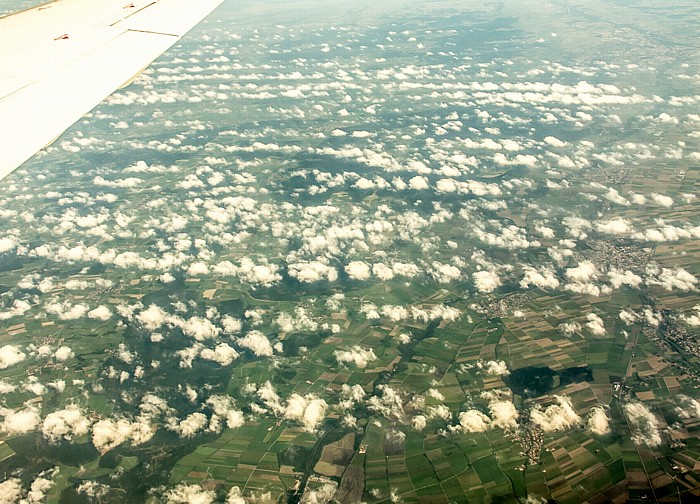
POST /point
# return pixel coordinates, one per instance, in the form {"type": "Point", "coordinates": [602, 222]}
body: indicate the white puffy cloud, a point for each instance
{"type": "Point", "coordinates": [598, 422]}
{"type": "Point", "coordinates": [442, 312]}
{"type": "Point", "coordinates": [689, 408]}
{"type": "Point", "coordinates": [486, 281]}
{"type": "Point", "coordinates": [67, 424]}
{"type": "Point", "coordinates": [662, 200]}
{"type": "Point", "coordinates": [439, 411]}
{"type": "Point", "coordinates": [66, 310]}
{"type": "Point", "coordinates": [358, 270]}
{"type": "Point", "coordinates": [388, 405]}
{"type": "Point", "coordinates": [544, 278]}
{"type": "Point", "coordinates": [492, 367]}
{"type": "Point", "coordinates": [224, 408]}
{"type": "Point", "coordinates": [109, 433]}
{"type": "Point", "coordinates": [644, 424]}
{"type": "Point", "coordinates": [231, 324]}
{"type": "Point", "coordinates": [11, 490]}
{"type": "Point", "coordinates": [394, 313]}
{"type": "Point", "coordinates": [382, 271]}
{"type": "Point", "coordinates": [595, 324]}
{"type": "Point", "coordinates": [301, 321]}
{"type": "Point", "coordinates": [189, 426]}
{"type": "Point", "coordinates": [256, 342]}
{"type": "Point", "coordinates": [357, 355]}
{"type": "Point", "coordinates": [10, 355]}
{"type": "Point", "coordinates": [556, 417]}
{"type": "Point", "coordinates": [503, 414]}
{"type": "Point", "coordinates": [19, 307]}
{"type": "Point", "coordinates": [222, 354]}
{"type": "Point", "coordinates": [20, 421]}
{"type": "Point", "coordinates": [419, 422]}
{"type": "Point", "coordinates": [40, 486]}
{"type": "Point", "coordinates": [617, 226]}
{"type": "Point", "coordinates": [473, 421]}
{"type": "Point", "coordinates": [6, 388]}
{"type": "Point", "coordinates": [198, 328]}
{"type": "Point", "coordinates": [7, 243]}
{"type": "Point", "coordinates": [63, 353]}
{"type": "Point", "coordinates": [197, 269]}
{"type": "Point", "coordinates": [619, 278]}
{"type": "Point", "coordinates": [258, 274]}
{"type": "Point", "coordinates": [445, 273]}
{"type": "Point", "coordinates": [152, 317]}
{"type": "Point", "coordinates": [674, 279]}
{"type": "Point", "coordinates": [307, 410]}
{"type": "Point", "coordinates": [100, 313]}
{"type": "Point", "coordinates": [418, 183]}
{"type": "Point", "coordinates": [313, 271]}
{"type": "Point", "coordinates": [234, 496]}
{"type": "Point", "coordinates": [582, 273]}
{"type": "Point", "coordinates": [189, 494]}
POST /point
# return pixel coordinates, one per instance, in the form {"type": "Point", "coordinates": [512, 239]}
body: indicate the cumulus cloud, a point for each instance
{"type": "Point", "coordinates": [109, 433]}
{"type": "Point", "coordinates": [63, 353]}
{"type": "Point", "coordinates": [419, 422]}
{"type": "Point", "coordinates": [313, 271]}
{"type": "Point", "coordinates": [301, 321]}
{"type": "Point", "coordinates": [662, 200]}
{"type": "Point", "coordinates": [486, 281]}
{"type": "Point", "coordinates": [556, 417]}
{"type": "Point", "coordinates": [231, 324]}
{"type": "Point", "coordinates": [256, 342]}
{"type": "Point", "coordinates": [152, 317]}
{"type": "Point", "coordinates": [356, 355]}
{"type": "Point", "coordinates": [66, 424]}
{"type": "Point", "coordinates": [66, 310]}
{"type": "Point", "coordinates": [473, 421]}
{"type": "Point", "coordinates": [582, 273]}
{"type": "Point", "coordinates": [493, 367]}
{"type": "Point", "coordinates": [222, 354]}
{"type": "Point", "coordinates": [19, 307]}
{"type": "Point", "coordinates": [389, 404]}
{"type": "Point", "coordinates": [224, 410]}
{"type": "Point", "coordinates": [619, 278]}
{"type": "Point", "coordinates": [10, 355]}
{"type": "Point", "coordinates": [503, 414]}
{"type": "Point", "coordinates": [673, 279]}
{"type": "Point", "coordinates": [11, 490]}
{"type": "Point", "coordinates": [100, 313]}
{"type": "Point", "coordinates": [20, 421]}
{"type": "Point", "coordinates": [199, 328]}
{"type": "Point", "coordinates": [595, 324]}
{"type": "Point", "coordinates": [189, 426]}
{"type": "Point", "coordinates": [543, 279]}
{"type": "Point", "coordinates": [358, 270]}
{"type": "Point", "coordinates": [7, 244]}
{"type": "Point", "coordinates": [189, 494]}
{"type": "Point", "coordinates": [644, 424]}
{"type": "Point", "coordinates": [598, 422]}
{"type": "Point", "coordinates": [308, 410]}
{"type": "Point", "coordinates": [689, 407]}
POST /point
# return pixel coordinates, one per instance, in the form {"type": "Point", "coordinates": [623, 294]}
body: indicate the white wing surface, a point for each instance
{"type": "Point", "coordinates": [59, 60]}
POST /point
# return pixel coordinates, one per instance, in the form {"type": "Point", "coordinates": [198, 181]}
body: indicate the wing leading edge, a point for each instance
{"type": "Point", "coordinates": [61, 59]}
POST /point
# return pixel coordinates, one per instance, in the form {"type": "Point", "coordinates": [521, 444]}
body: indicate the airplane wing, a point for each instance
{"type": "Point", "coordinates": [61, 59]}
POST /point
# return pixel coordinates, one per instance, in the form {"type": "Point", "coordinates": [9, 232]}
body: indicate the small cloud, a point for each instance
{"type": "Point", "coordinates": [644, 424]}
{"type": "Point", "coordinates": [10, 355]}
{"type": "Point", "coordinates": [598, 422]}
{"type": "Point", "coordinates": [556, 417]}
{"type": "Point", "coordinates": [357, 355]}
{"type": "Point", "coordinates": [256, 342]}
{"type": "Point", "coordinates": [358, 270]}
